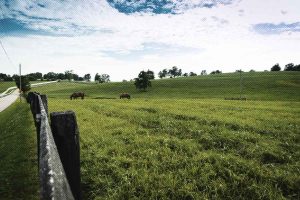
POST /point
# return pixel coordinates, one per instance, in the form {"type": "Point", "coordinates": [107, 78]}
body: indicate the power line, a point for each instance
{"type": "Point", "coordinates": [1, 44]}
{"type": "Point", "coordinates": [11, 62]}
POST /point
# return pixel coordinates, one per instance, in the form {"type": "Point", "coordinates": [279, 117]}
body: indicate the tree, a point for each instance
{"type": "Point", "coordinates": [104, 78]}
{"type": "Point", "coordinates": [193, 74]}
{"type": "Point", "coordinates": [276, 67]}
{"type": "Point", "coordinates": [163, 73]}
{"type": "Point", "coordinates": [5, 77]}
{"type": "Point", "coordinates": [69, 74]}
{"type": "Point", "coordinates": [61, 76]}
{"type": "Point", "coordinates": [292, 67]}
{"type": "Point", "coordinates": [50, 76]}
{"type": "Point", "coordinates": [185, 74]}
{"type": "Point", "coordinates": [150, 74]}
{"type": "Point", "coordinates": [87, 77]}
{"type": "Point", "coordinates": [142, 81]}
{"type": "Point", "coordinates": [289, 67]}
{"type": "Point", "coordinates": [203, 72]}
{"type": "Point", "coordinates": [175, 72]}
{"type": "Point", "coordinates": [216, 72]}
{"type": "Point", "coordinates": [25, 84]}
{"type": "Point", "coordinates": [97, 76]}
{"type": "Point", "coordinates": [75, 77]}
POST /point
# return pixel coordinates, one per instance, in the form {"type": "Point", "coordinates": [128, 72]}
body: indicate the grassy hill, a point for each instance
{"type": "Point", "coordinates": [256, 86]}
{"type": "Point", "coordinates": [181, 140]}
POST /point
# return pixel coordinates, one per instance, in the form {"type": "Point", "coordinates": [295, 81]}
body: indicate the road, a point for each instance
{"type": "Point", "coordinates": [7, 100]}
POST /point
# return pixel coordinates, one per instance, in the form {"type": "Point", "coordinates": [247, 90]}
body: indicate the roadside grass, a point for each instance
{"type": "Point", "coordinates": [265, 86]}
{"type": "Point", "coordinates": [188, 148]}
{"type": "Point", "coordinates": [5, 85]}
{"type": "Point", "coordinates": [18, 161]}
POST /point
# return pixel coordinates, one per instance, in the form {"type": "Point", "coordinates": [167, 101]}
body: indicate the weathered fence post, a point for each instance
{"type": "Point", "coordinates": [66, 136]}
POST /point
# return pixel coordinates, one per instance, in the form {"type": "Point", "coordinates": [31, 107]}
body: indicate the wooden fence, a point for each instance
{"type": "Point", "coordinates": [58, 150]}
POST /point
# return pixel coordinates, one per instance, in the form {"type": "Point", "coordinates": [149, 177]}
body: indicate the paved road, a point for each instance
{"type": "Point", "coordinates": [9, 99]}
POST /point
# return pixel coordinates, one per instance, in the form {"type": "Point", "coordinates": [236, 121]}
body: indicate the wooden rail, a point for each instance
{"type": "Point", "coordinates": [58, 151]}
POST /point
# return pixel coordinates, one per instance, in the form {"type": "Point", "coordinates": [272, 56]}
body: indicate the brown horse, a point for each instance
{"type": "Point", "coordinates": [77, 94]}
{"type": "Point", "coordinates": [124, 95]}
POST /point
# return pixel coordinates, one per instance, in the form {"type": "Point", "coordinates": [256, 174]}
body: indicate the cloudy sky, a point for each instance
{"type": "Point", "coordinates": [123, 37]}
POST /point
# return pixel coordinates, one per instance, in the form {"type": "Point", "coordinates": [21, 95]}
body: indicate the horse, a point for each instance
{"type": "Point", "coordinates": [124, 95]}
{"type": "Point", "coordinates": [77, 94]}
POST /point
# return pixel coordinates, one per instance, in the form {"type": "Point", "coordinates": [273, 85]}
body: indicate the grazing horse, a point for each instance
{"type": "Point", "coordinates": [77, 94]}
{"type": "Point", "coordinates": [124, 95]}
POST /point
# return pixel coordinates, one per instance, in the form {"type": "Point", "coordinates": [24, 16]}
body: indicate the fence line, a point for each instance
{"type": "Point", "coordinates": [54, 184]}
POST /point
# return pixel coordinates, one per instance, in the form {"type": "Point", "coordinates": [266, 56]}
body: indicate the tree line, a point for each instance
{"type": "Point", "coordinates": [287, 67]}
{"type": "Point", "coordinates": [52, 76]}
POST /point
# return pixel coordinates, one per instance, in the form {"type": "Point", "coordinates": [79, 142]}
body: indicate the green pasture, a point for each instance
{"type": "Point", "coordinates": [181, 139]}
{"type": "Point", "coordinates": [5, 85]}
{"type": "Point", "coordinates": [266, 86]}
{"type": "Point", "coordinates": [187, 149]}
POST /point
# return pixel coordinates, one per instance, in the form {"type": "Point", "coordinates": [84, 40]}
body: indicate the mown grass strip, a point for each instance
{"type": "Point", "coordinates": [18, 159]}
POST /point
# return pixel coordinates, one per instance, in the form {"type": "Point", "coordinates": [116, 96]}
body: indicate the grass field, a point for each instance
{"type": "Point", "coordinates": [182, 140]}
{"type": "Point", "coordinates": [188, 149]}
{"type": "Point", "coordinates": [5, 85]}
{"type": "Point", "coordinates": [266, 86]}
{"type": "Point", "coordinates": [18, 163]}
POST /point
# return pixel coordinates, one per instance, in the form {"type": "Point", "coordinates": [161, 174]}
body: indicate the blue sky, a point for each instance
{"type": "Point", "coordinates": [121, 38]}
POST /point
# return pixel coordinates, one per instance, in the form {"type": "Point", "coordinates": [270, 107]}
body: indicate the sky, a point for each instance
{"type": "Point", "coordinates": [121, 38]}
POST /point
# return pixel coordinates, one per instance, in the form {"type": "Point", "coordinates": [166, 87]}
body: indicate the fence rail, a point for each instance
{"type": "Point", "coordinates": [58, 151]}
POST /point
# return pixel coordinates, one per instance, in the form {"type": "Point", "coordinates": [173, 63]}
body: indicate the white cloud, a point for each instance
{"type": "Point", "coordinates": [221, 36]}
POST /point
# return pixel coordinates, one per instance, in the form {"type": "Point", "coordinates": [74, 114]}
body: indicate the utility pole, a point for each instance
{"type": "Point", "coordinates": [20, 83]}
{"type": "Point", "coordinates": [241, 84]}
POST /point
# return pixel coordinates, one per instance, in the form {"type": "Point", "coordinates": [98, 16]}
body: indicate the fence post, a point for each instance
{"type": "Point", "coordinates": [36, 112]}
{"type": "Point", "coordinates": [66, 136]}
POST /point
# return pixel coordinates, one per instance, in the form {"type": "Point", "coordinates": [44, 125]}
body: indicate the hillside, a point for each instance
{"type": "Point", "coordinates": [272, 86]}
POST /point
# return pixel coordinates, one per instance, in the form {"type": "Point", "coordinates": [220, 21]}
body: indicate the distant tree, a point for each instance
{"type": "Point", "coordinates": [185, 74]}
{"type": "Point", "coordinates": [276, 67]}
{"type": "Point", "coordinates": [163, 73]}
{"type": "Point", "coordinates": [87, 77]}
{"type": "Point", "coordinates": [142, 81]}
{"type": "Point", "coordinates": [150, 74]}
{"type": "Point", "coordinates": [75, 77]}
{"type": "Point", "coordinates": [15, 76]}
{"type": "Point", "coordinates": [50, 76]}
{"type": "Point", "coordinates": [5, 77]}
{"type": "Point", "coordinates": [104, 78]}
{"type": "Point", "coordinates": [289, 67]}
{"type": "Point", "coordinates": [252, 70]}
{"type": "Point", "coordinates": [61, 76]}
{"type": "Point", "coordinates": [8, 78]}
{"type": "Point", "coordinates": [81, 79]}
{"type": "Point", "coordinates": [97, 76]}
{"type": "Point", "coordinates": [216, 72]}
{"type": "Point", "coordinates": [174, 72]}
{"type": "Point", "coordinates": [238, 70]}
{"type": "Point", "coordinates": [69, 74]}
{"type": "Point", "coordinates": [192, 74]}
{"type": "Point", "coordinates": [292, 67]}
{"type": "Point", "coordinates": [203, 72]}
{"type": "Point", "coordinates": [25, 84]}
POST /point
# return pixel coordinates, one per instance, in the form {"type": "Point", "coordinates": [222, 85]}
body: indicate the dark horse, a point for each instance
{"type": "Point", "coordinates": [77, 94]}
{"type": "Point", "coordinates": [124, 95]}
